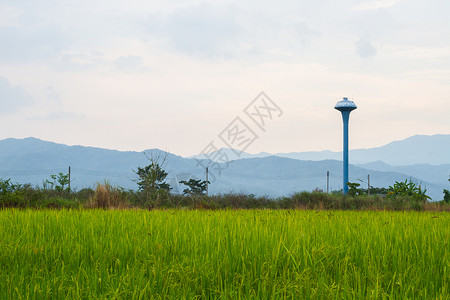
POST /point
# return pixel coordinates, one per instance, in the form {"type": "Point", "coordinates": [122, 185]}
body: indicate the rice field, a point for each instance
{"type": "Point", "coordinates": [226, 254]}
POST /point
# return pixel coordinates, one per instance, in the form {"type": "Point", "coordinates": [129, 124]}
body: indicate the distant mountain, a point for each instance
{"type": "Point", "coordinates": [431, 173]}
{"type": "Point", "coordinates": [230, 154]}
{"type": "Point", "coordinates": [418, 149]}
{"type": "Point", "coordinates": [313, 155]}
{"type": "Point", "coordinates": [277, 176]}
{"type": "Point", "coordinates": [32, 160]}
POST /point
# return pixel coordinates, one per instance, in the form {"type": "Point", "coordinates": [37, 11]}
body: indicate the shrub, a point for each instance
{"type": "Point", "coordinates": [407, 191]}
{"type": "Point", "coordinates": [107, 196]}
{"type": "Point", "coordinates": [195, 187]}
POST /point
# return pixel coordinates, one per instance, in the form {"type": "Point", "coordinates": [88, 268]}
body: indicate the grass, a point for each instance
{"type": "Point", "coordinates": [106, 196]}
{"type": "Point", "coordinates": [213, 254]}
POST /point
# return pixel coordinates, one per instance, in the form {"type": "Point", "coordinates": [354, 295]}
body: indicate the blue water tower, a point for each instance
{"type": "Point", "coordinates": [345, 107]}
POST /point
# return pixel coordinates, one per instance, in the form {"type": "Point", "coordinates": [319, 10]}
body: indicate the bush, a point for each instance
{"type": "Point", "coordinates": [410, 190]}
{"type": "Point", "coordinates": [106, 196]}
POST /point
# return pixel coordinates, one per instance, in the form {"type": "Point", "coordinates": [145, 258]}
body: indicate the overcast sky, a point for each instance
{"type": "Point", "coordinates": [134, 75]}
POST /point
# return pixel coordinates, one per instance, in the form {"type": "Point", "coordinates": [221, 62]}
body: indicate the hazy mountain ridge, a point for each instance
{"type": "Point", "coordinates": [32, 160]}
{"type": "Point", "coordinates": [230, 155]}
{"type": "Point", "coordinates": [432, 173]}
{"type": "Point", "coordinates": [277, 176]}
{"type": "Point", "coordinates": [418, 149]}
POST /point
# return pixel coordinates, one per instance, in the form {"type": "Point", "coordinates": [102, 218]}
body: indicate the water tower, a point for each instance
{"type": "Point", "coordinates": [345, 107]}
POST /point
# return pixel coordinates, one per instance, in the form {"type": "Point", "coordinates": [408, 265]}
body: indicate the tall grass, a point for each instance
{"type": "Point", "coordinates": [107, 196]}
{"type": "Point", "coordinates": [228, 254]}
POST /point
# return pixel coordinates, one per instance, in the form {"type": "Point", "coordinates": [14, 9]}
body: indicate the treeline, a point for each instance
{"type": "Point", "coordinates": [155, 193]}
{"type": "Point", "coordinates": [105, 196]}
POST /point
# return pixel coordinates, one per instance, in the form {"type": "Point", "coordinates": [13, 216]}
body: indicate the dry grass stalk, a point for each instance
{"type": "Point", "coordinates": [107, 196]}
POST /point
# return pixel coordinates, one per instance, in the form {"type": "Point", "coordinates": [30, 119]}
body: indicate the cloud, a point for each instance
{"type": "Point", "coordinates": [303, 32]}
{"type": "Point", "coordinates": [12, 98]}
{"type": "Point", "coordinates": [365, 48]}
{"type": "Point", "coordinates": [76, 62]}
{"type": "Point", "coordinates": [421, 53]}
{"type": "Point", "coordinates": [8, 15]}
{"type": "Point", "coordinates": [30, 42]}
{"type": "Point", "coordinates": [64, 115]}
{"type": "Point", "coordinates": [375, 4]}
{"type": "Point", "coordinates": [233, 31]}
{"type": "Point", "coordinates": [202, 31]}
{"type": "Point", "coordinates": [60, 115]}
{"type": "Point", "coordinates": [53, 95]}
{"type": "Point", "coordinates": [128, 63]}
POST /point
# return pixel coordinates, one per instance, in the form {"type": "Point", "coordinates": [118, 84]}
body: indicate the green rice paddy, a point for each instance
{"type": "Point", "coordinates": [226, 254]}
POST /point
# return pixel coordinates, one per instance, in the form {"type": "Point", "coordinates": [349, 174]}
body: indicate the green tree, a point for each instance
{"type": "Point", "coordinates": [6, 187]}
{"type": "Point", "coordinates": [151, 180]}
{"type": "Point", "coordinates": [195, 187]}
{"type": "Point", "coordinates": [378, 190]}
{"type": "Point", "coordinates": [58, 182]}
{"type": "Point", "coordinates": [447, 195]}
{"type": "Point", "coordinates": [353, 189]}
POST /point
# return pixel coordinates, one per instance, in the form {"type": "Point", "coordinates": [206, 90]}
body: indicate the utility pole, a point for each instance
{"type": "Point", "coordinates": [69, 178]}
{"type": "Point", "coordinates": [207, 181]}
{"type": "Point", "coordinates": [328, 181]}
{"type": "Point", "coordinates": [368, 184]}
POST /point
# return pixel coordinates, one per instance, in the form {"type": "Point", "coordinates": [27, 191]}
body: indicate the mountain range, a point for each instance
{"type": "Point", "coordinates": [418, 149]}
{"type": "Point", "coordinates": [426, 161]}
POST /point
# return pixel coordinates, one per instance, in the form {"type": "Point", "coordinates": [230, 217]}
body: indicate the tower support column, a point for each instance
{"type": "Point", "coordinates": [345, 107]}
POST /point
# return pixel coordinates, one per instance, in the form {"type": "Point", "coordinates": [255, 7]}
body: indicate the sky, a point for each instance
{"type": "Point", "coordinates": [179, 75]}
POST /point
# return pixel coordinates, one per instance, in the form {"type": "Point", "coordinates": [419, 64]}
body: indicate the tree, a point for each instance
{"type": "Point", "coordinates": [353, 189]}
{"type": "Point", "coordinates": [151, 180]}
{"type": "Point", "coordinates": [195, 187]}
{"type": "Point", "coordinates": [378, 190]}
{"type": "Point", "coordinates": [59, 181]}
{"type": "Point", "coordinates": [447, 195]}
{"type": "Point", "coordinates": [6, 187]}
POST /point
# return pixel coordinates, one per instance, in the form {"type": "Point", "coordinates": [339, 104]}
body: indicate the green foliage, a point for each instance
{"type": "Point", "coordinates": [151, 178]}
{"type": "Point", "coordinates": [378, 190]}
{"type": "Point", "coordinates": [58, 182]}
{"type": "Point", "coordinates": [195, 187]}
{"type": "Point", "coordinates": [151, 182]}
{"type": "Point", "coordinates": [407, 189]}
{"type": "Point", "coordinates": [9, 193]}
{"type": "Point", "coordinates": [26, 196]}
{"type": "Point", "coordinates": [116, 197]}
{"type": "Point", "coordinates": [446, 196]}
{"type": "Point", "coordinates": [6, 187]}
{"type": "Point", "coordinates": [353, 189]}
